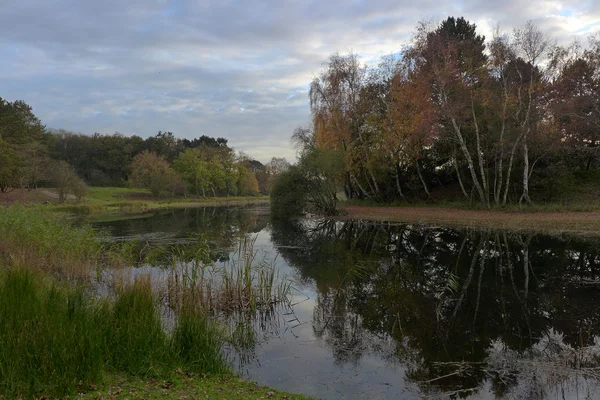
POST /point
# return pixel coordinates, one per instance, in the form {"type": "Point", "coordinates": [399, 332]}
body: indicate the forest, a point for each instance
{"type": "Point", "coordinates": [32, 155]}
{"type": "Point", "coordinates": [511, 120]}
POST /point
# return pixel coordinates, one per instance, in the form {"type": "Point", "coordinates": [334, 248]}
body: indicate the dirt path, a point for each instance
{"type": "Point", "coordinates": [587, 223]}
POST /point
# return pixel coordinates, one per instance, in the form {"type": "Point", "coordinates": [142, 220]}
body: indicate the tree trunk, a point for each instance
{"type": "Point", "coordinates": [525, 195]}
{"type": "Point", "coordinates": [422, 180]}
{"type": "Point", "coordinates": [480, 156]}
{"type": "Point", "coordinates": [398, 187]}
{"type": "Point", "coordinates": [462, 186]}
{"type": "Point", "coordinates": [467, 154]}
{"type": "Point", "coordinates": [510, 164]}
{"type": "Point", "coordinates": [360, 187]}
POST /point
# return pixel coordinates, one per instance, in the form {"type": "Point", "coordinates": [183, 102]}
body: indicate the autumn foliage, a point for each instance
{"type": "Point", "coordinates": [493, 118]}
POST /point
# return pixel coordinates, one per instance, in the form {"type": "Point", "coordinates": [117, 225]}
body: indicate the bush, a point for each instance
{"type": "Point", "coordinates": [289, 196]}
{"type": "Point", "coordinates": [311, 186]}
{"type": "Point", "coordinates": [79, 188]}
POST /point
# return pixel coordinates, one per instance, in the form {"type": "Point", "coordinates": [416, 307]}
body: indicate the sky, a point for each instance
{"type": "Point", "coordinates": [234, 69]}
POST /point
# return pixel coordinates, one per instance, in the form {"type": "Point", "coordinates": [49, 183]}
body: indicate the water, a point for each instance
{"type": "Point", "coordinates": [384, 311]}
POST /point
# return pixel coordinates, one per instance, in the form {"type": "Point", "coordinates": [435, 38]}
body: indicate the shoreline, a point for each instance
{"type": "Point", "coordinates": [586, 223]}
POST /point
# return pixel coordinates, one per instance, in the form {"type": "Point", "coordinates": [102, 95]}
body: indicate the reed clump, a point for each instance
{"type": "Point", "coordinates": [243, 284]}
{"type": "Point", "coordinates": [58, 340]}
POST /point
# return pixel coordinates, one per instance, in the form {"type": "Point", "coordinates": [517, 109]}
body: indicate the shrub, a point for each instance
{"type": "Point", "coordinates": [289, 196]}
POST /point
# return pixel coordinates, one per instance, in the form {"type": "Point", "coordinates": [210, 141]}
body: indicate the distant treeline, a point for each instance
{"type": "Point", "coordinates": [508, 120]}
{"type": "Point", "coordinates": [31, 155]}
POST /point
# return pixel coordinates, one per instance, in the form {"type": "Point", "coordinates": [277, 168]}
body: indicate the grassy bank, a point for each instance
{"type": "Point", "coordinates": [186, 386]}
{"type": "Point", "coordinates": [62, 337]}
{"type": "Point", "coordinates": [56, 338]}
{"type": "Point", "coordinates": [533, 219]}
{"type": "Point", "coordinates": [41, 240]}
{"type": "Point", "coordinates": [117, 199]}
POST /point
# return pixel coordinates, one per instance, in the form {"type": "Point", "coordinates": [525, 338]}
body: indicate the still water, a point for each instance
{"type": "Point", "coordinates": [386, 311]}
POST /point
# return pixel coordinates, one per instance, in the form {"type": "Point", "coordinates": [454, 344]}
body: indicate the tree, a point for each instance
{"type": "Point", "coordinates": [310, 186]}
{"type": "Point", "coordinates": [7, 167]}
{"type": "Point", "coordinates": [246, 184]}
{"type": "Point", "coordinates": [193, 169]}
{"type": "Point", "coordinates": [451, 61]}
{"type": "Point", "coordinates": [66, 181]}
{"type": "Point", "coordinates": [151, 172]}
{"type": "Point", "coordinates": [574, 98]}
{"type": "Point", "coordinates": [20, 134]}
{"type": "Point", "coordinates": [532, 44]}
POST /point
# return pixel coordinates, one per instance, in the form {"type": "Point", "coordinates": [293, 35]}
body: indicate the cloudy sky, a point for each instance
{"type": "Point", "coordinates": [237, 69]}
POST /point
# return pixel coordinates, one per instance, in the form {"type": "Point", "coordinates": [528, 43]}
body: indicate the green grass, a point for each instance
{"type": "Point", "coordinates": [133, 200]}
{"type": "Point", "coordinates": [33, 236]}
{"type": "Point", "coordinates": [185, 386]}
{"type": "Point", "coordinates": [56, 339]}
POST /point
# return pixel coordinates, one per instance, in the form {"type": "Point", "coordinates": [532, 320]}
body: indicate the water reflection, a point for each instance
{"type": "Point", "coordinates": [404, 311]}
{"type": "Point", "coordinates": [465, 310]}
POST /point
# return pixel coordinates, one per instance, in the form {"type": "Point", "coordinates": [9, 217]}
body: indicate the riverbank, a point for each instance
{"type": "Point", "coordinates": [555, 222]}
{"type": "Point", "coordinates": [120, 200]}
{"type": "Point", "coordinates": [62, 336]}
{"type": "Point", "coordinates": [185, 386]}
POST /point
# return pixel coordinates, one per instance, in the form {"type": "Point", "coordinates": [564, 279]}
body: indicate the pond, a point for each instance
{"type": "Point", "coordinates": [387, 310]}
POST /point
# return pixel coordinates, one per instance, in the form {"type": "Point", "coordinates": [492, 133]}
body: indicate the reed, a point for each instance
{"type": "Point", "coordinates": [58, 340]}
{"type": "Point", "coordinates": [34, 237]}
{"type": "Point", "coordinates": [243, 284]}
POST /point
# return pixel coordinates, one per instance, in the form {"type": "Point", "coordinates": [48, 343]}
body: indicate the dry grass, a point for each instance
{"type": "Point", "coordinates": [585, 222]}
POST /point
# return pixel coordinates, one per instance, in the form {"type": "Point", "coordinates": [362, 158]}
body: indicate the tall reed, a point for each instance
{"type": "Point", "coordinates": [244, 284]}
{"type": "Point", "coordinates": [57, 340]}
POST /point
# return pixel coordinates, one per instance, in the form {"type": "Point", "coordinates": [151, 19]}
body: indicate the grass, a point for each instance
{"type": "Point", "coordinates": [55, 338]}
{"type": "Point", "coordinates": [185, 386]}
{"type": "Point", "coordinates": [562, 222]}
{"type": "Point", "coordinates": [118, 199]}
{"type": "Point", "coordinates": [59, 337]}
{"type": "Point", "coordinates": [36, 237]}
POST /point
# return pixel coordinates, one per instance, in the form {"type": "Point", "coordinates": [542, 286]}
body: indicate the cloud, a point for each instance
{"type": "Point", "coordinates": [238, 69]}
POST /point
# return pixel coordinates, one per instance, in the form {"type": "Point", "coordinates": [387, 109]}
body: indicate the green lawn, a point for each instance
{"type": "Point", "coordinates": [123, 199]}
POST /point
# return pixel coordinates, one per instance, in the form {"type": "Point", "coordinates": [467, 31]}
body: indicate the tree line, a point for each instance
{"type": "Point", "coordinates": [493, 122]}
{"type": "Point", "coordinates": [32, 155]}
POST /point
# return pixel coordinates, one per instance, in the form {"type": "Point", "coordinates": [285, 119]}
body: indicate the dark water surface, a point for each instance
{"type": "Point", "coordinates": [385, 311]}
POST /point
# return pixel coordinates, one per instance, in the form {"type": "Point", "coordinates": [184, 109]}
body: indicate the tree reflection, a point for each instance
{"type": "Point", "coordinates": [461, 307]}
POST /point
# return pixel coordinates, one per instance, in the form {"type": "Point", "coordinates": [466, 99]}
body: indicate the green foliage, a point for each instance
{"type": "Point", "coordinates": [20, 153]}
{"type": "Point", "coordinates": [197, 342]}
{"type": "Point", "coordinates": [49, 337]}
{"type": "Point", "coordinates": [289, 194]}
{"type": "Point", "coordinates": [57, 340]}
{"type": "Point", "coordinates": [311, 186]}
{"type": "Point", "coordinates": [323, 169]}
{"type": "Point", "coordinates": [135, 339]}
{"type": "Point", "coordinates": [194, 170]}
{"type": "Point", "coordinates": [7, 166]}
